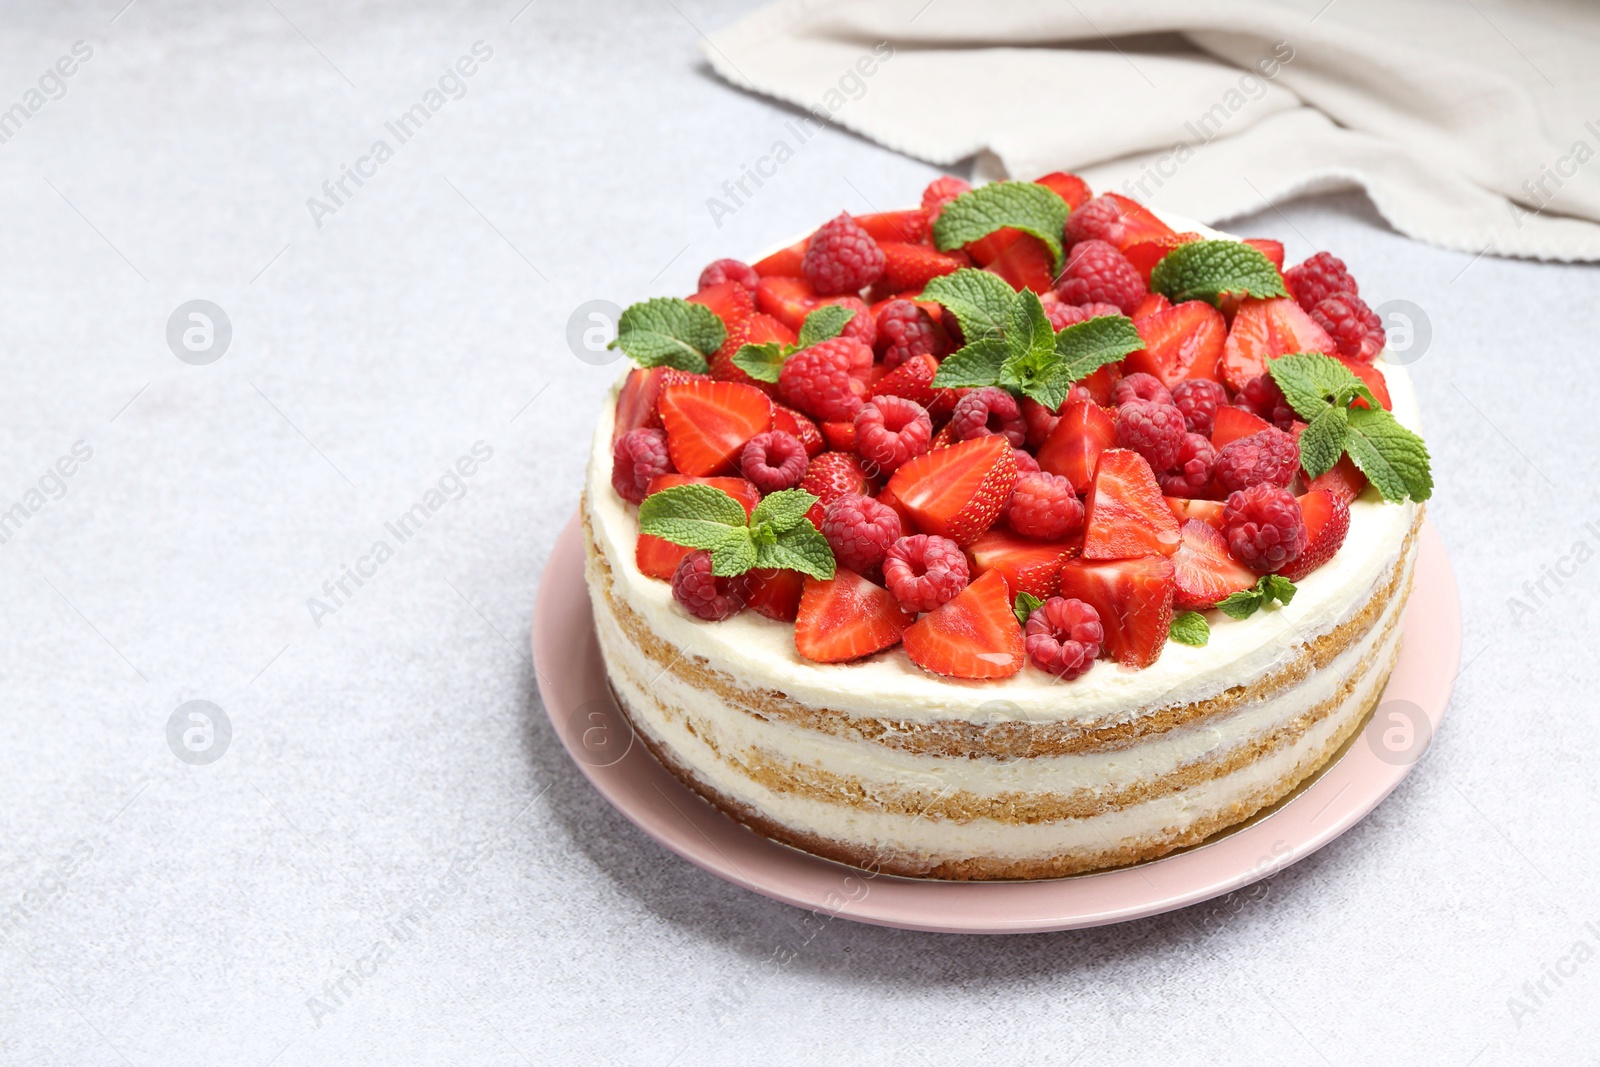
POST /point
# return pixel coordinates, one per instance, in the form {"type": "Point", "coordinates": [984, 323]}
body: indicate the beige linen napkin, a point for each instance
{"type": "Point", "coordinates": [1471, 124]}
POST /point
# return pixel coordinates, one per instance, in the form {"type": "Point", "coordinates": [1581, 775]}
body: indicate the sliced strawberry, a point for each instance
{"type": "Point", "coordinates": [1327, 519]}
{"type": "Point", "coordinates": [792, 422]}
{"type": "Point", "coordinates": [1267, 329]}
{"type": "Point", "coordinates": [985, 250]}
{"type": "Point", "coordinates": [958, 492]}
{"type": "Point", "coordinates": [658, 557]}
{"type": "Point", "coordinates": [909, 227]}
{"type": "Point", "coordinates": [1273, 250]}
{"type": "Point", "coordinates": [765, 329]}
{"type": "Point", "coordinates": [1207, 511]}
{"type": "Point", "coordinates": [913, 380]}
{"type": "Point", "coordinates": [1102, 384]}
{"type": "Point", "coordinates": [1029, 566]}
{"type": "Point", "coordinates": [775, 593]}
{"type": "Point", "coordinates": [732, 302]}
{"type": "Point", "coordinates": [785, 263]}
{"type": "Point", "coordinates": [944, 438]}
{"type": "Point", "coordinates": [831, 476]}
{"type": "Point", "coordinates": [1126, 515]}
{"type": "Point", "coordinates": [1137, 224]}
{"type": "Point", "coordinates": [1150, 304]}
{"type": "Point", "coordinates": [1203, 572]}
{"type": "Point", "coordinates": [1144, 255]}
{"type": "Point", "coordinates": [1071, 188]}
{"type": "Point", "coordinates": [1073, 448]}
{"type": "Point", "coordinates": [907, 266]}
{"type": "Point", "coordinates": [841, 436]}
{"type": "Point", "coordinates": [789, 300]}
{"type": "Point", "coordinates": [1344, 480]}
{"type": "Point", "coordinates": [846, 617]}
{"type": "Point", "coordinates": [1134, 598]}
{"type": "Point", "coordinates": [1025, 263]}
{"type": "Point", "coordinates": [1233, 423]}
{"type": "Point", "coordinates": [975, 635]}
{"type": "Point", "coordinates": [1184, 341]}
{"type": "Point", "coordinates": [1372, 378]}
{"type": "Point", "coordinates": [707, 423]}
{"type": "Point", "coordinates": [636, 401]}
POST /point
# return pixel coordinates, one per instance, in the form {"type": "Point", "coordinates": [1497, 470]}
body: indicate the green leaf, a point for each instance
{"type": "Point", "coordinates": [1277, 587]}
{"type": "Point", "coordinates": [977, 364]}
{"type": "Point", "coordinates": [1085, 347]}
{"type": "Point", "coordinates": [1311, 381]}
{"type": "Point", "coordinates": [824, 324]}
{"type": "Point", "coordinates": [1206, 270]}
{"type": "Point", "coordinates": [1392, 457]}
{"type": "Point", "coordinates": [762, 362]}
{"type": "Point", "coordinates": [798, 548]}
{"type": "Point", "coordinates": [735, 553]}
{"type": "Point", "coordinates": [980, 301]}
{"type": "Point", "coordinates": [1026, 206]}
{"type": "Point", "coordinates": [1241, 605]}
{"type": "Point", "coordinates": [782, 510]}
{"type": "Point", "coordinates": [1190, 628]}
{"type": "Point", "coordinates": [1270, 587]}
{"type": "Point", "coordinates": [1322, 442]}
{"type": "Point", "coordinates": [1026, 605]}
{"type": "Point", "coordinates": [668, 332]}
{"type": "Point", "coordinates": [1031, 341]}
{"type": "Point", "coordinates": [695, 516]}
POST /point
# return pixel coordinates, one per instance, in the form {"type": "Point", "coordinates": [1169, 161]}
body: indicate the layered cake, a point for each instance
{"type": "Point", "coordinates": [1017, 535]}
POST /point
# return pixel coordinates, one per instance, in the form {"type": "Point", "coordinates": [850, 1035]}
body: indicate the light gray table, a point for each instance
{"type": "Point", "coordinates": [391, 756]}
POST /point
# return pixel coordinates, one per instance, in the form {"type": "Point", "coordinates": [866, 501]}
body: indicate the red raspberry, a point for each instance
{"type": "Point", "coordinates": [1140, 386]}
{"type": "Point", "coordinates": [1354, 327]}
{"type": "Point", "coordinates": [829, 477]}
{"type": "Point", "coordinates": [940, 192]}
{"type": "Point", "coordinates": [638, 456]}
{"type": "Point", "coordinates": [1044, 506]}
{"type": "Point", "coordinates": [1264, 527]}
{"type": "Point", "coordinates": [986, 411]}
{"type": "Point", "coordinates": [1153, 430]}
{"type": "Point", "coordinates": [1318, 278]}
{"type": "Point", "coordinates": [891, 431]}
{"type": "Point", "coordinates": [818, 380]}
{"type": "Point", "coordinates": [860, 530]}
{"type": "Point", "coordinates": [1261, 396]}
{"type": "Point", "coordinates": [704, 595]}
{"type": "Point", "coordinates": [841, 257]}
{"type": "Point", "coordinates": [1098, 220]}
{"type": "Point", "coordinates": [924, 571]}
{"type": "Point", "coordinates": [1040, 421]}
{"type": "Point", "coordinates": [862, 326]}
{"type": "Point", "coordinates": [905, 330]}
{"type": "Point", "coordinates": [773, 460]}
{"type": "Point", "coordinates": [1191, 475]}
{"type": "Point", "coordinates": [1096, 272]}
{"type": "Point", "coordinates": [1270, 457]}
{"type": "Point", "coordinates": [729, 270]}
{"type": "Point", "coordinates": [1063, 637]}
{"type": "Point", "coordinates": [1062, 315]}
{"type": "Point", "coordinates": [1199, 399]}
{"type": "Point", "coordinates": [1025, 461]}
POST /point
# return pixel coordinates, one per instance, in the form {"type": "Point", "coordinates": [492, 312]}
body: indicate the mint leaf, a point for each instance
{"type": "Point", "coordinates": [1392, 457]}
{"type": "Point", "coordinates": [762, 362]}
{"type": "Point", "coordinates": [823, 324]}
{"type": "Point", "coordinates": [695, 516]}
{"type": "Point", "coordinates": [1206, 270]}
{"type": "Point", "coordinates": [1241, 605]}
{"type": "Point", "coordinates": [735, 553]}
{"type": "Point", "coordinates": [798, 548]}
{"type": "Point", "coordinates": [1085, 347]}
{"type": "Point", "coordinates": [1026, 206]}
{"type": "Point", "coordinates": [1190, 628]}
{"type": "Point", "coordinates": [668, 332]}
{"type": "Point", "coordinates": [977, 364]}
{"type": "Point", "coordinates": [1322, 442]}
{"type": "Point", "coordinates": [980, 301]}
{"type": "Point", "coordinates": [776, 534]}
{"type": "Point", "coordinates": [1026, 605]}
{"type": "Point", "coordinates": [782, 510]}
{"type": "Point", "coordinates": [1311, 381]}
{"type": "Point", "coordinates": [1277, 587]}
{"type": "Point", "coordinates": [1031, 341]}
{"type": "Point", "coordinates": [1270, 587]}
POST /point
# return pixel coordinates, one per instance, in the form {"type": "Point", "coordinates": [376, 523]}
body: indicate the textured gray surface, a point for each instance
{"type": "Point", "coordinates": [205, 905]}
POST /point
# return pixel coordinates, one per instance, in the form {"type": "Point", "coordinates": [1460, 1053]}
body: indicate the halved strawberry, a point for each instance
{"type": "Point", "coordinates": [1207, 511]}
{"type": "Point", "coordinates": [792, 422]}
{"type": "Point", "coordinates": [1203, 572]}
{"type": "Point", "coordinates": [831, 476]}
{"type": "Point", "coordinates": [1150, 304]}
{"type": "Point", "coordinates": [785, 263]}
{"type": "Point", "coordinates": [1267, 329]}
{"type": "Point", "coordinates": [1145, 254]}
{"type": "Point", "coordinates": [1372, 378]}
{"type": "Point", "coordinates": [1126, 515]}
{"type": "Point", "coordinates": [636, 400]}
{"type": "Point", "coordinates": [1344, 480]}
{"type": "Point", "coordinates": [732, 303]}
{"type": "Point", "coordinates": [789, 300]}
{"type": "Point", "coordinates": [974, 635]}
{"type": "Point", "coordinates": [1273, 250]}
{"type": "Point", "coordinates": [1134, 598]}
{"type": "Point", "coordinates": [985, 250]}
{"type": "Point", "coordinates": [1102, 384]}
{"type": "Point", "coordinates": [1073, 448]}
{"type": "Point", "coordinates": [774, 593]}
{"type": "Point", "coordinates": [958, 492]}
{"type": "Point", "coordinates": [1029, 566]}
{"type": "Point", "coordinates": [1137, 224]}
{"type": "Point", "coordinates": [1233, 423]}
{"type": "Point", "coordinates": [846, 617]}
{"type": "Point", "coordinates": [909, 227]}
{"type": "Point", "coordinates": [1184, 341]}
{"type": "Point", "coordinates": [658, 557]}
{"type": "Point", "coordinates": [1327, 519]}
{"type": "Point", "coordinates": [908, 266]}
{"type": "Point", "coordinates": [913, 380]}
{"type": "Point", "coordinates": [841, 436]}
{"type": "Point", "coordinates": [1025, 263]}
{"type": "Point", "coordinates": [765, 328]}
{"type": "Point", "coordinates": [1071, 188]}
{"type": "Point", "coordinates": [707, 423]}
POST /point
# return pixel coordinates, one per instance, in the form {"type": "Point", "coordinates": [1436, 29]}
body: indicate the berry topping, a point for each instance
{"type": "Point", "coordinates": [908, 267]}
{"type": "Point", "coordinates": [1071, 188]}
{"type": "Point", "coordinates": [1097, 272]}
{"type": "Point", "coordinates": [1198, 399]}
{"type": "Point", "coordinates": [791, 421]}
{"type": "Point", "coordinates": [709, 422]}
{"type": "Point", "coordinates": [974, 635]}
{"type": "Point", "coordinates": [1025, 262]}
{"type": "Point", "coordinates": [862, 326]}
{"type": "Point", "coordinates": [1182, 342]}
{"type": "Point", "coordinates": [1318, 278]}
{"type": "Point", "coordinates": [891, 431]}
{"type": "Point", "coordinates": [1354, 327]}
{"type": "Point", "coordinates": [1030, 566]}
{"type": "Point", "coordinates": [1063, 637]}
{"type": "Point", "coordinates": [1203, 572]}
{"type": "Point", "coordinates": [1140, 387]}
{"type": "Point", "coordinates": [911, 226]}
{"type": "Point", "coordinates": [1344, 480]}
{"type": "Point", "coordinates": [774, 593]}
{"type": "Point", "coordinates": [1265, 528]}
{"type": "Point", "coordinates": [1266, 329]}
{"type": "Point", "coordinates": [637, 457]}
{"type": "Point", "coordinates": [913, 380]}
{"type": "Point", "coordinates": [1327, 519]}
{"type": "Point", "coordinates": [789, 300]}
{"type": "Point", "coordinates": [1126, 515]}
{"type": "Point", "coordinates": [1233, 423]}
{"type": "Point", "coordinates": [906, 330]}
{"type": "Point", "coordinates": [1270, 457]}
{"type": "Point", "coordinates": [658, 557]}
{"type": "Point", "coordinates": [641, 390]}
{"type": "Point", "coordinates": [860, 530]}
{"type": "Point", "coordinates": [829, 477]}
{"type": "Point", "coordinates": [1114, 219]}
{"type": "Point", "coordinates": [924, 571]}
{"type": "Point", "coordinates": [940, 192]}
{"type": "Point", "coordinates": [959, 491]}
{"type": "Point", "coordinates": [729, 270]}
{"type": "Point", "coordinates": [1062, 315]}
{"type": "Point", "coordinates": [1043, 506]}
{"type": "Point", "coordinates": [1261, 396]}
{"type": "Point", "coordinates": [846, 617]}
{"type": "Point", "coordinates": [784, 263]}
{"type": "Point", "coordinates": [990, 410]}
{"type": "Point", "coordinates": [1133, 598]}
{"type": "Point", "coordinates": [1192, 473]}
{"type": "Point", "coordinates": [819, 380]}
{"type": "Point", "coordinates": [841, 257]}
{"type": "Point", "coordinates": [773, 460]}
{"type": "Point", "coordinates": [1154, 430]}
{"type": "Point", "coordinates": [702, 594]}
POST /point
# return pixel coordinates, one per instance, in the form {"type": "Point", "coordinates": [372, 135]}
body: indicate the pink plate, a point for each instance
{"type": "Point", "coordinates": [597, 737]}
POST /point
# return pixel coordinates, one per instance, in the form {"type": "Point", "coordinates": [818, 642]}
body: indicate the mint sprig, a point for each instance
{"type": "Point", "coordinates": [776, 535]}
{"type": "Point", "coordinates": [1025, 606]}
{"type": "Point", "coordinates": [1026, 206]}
{"type": "Point", "coordinates": [1209, 270]}
{"type": "Point", "coordinates": [1190, 628]}
{"type": "Point", "coordinates": [1323, 391]}
{"type": "Point", "coordinates": [764, 362]}
{"type": "Point", "coordinates": [1011, 344]}
{"type": "Point", "coordinates": [668, 332]}
{"type": "Point", "coordinates": [1247, 602]}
